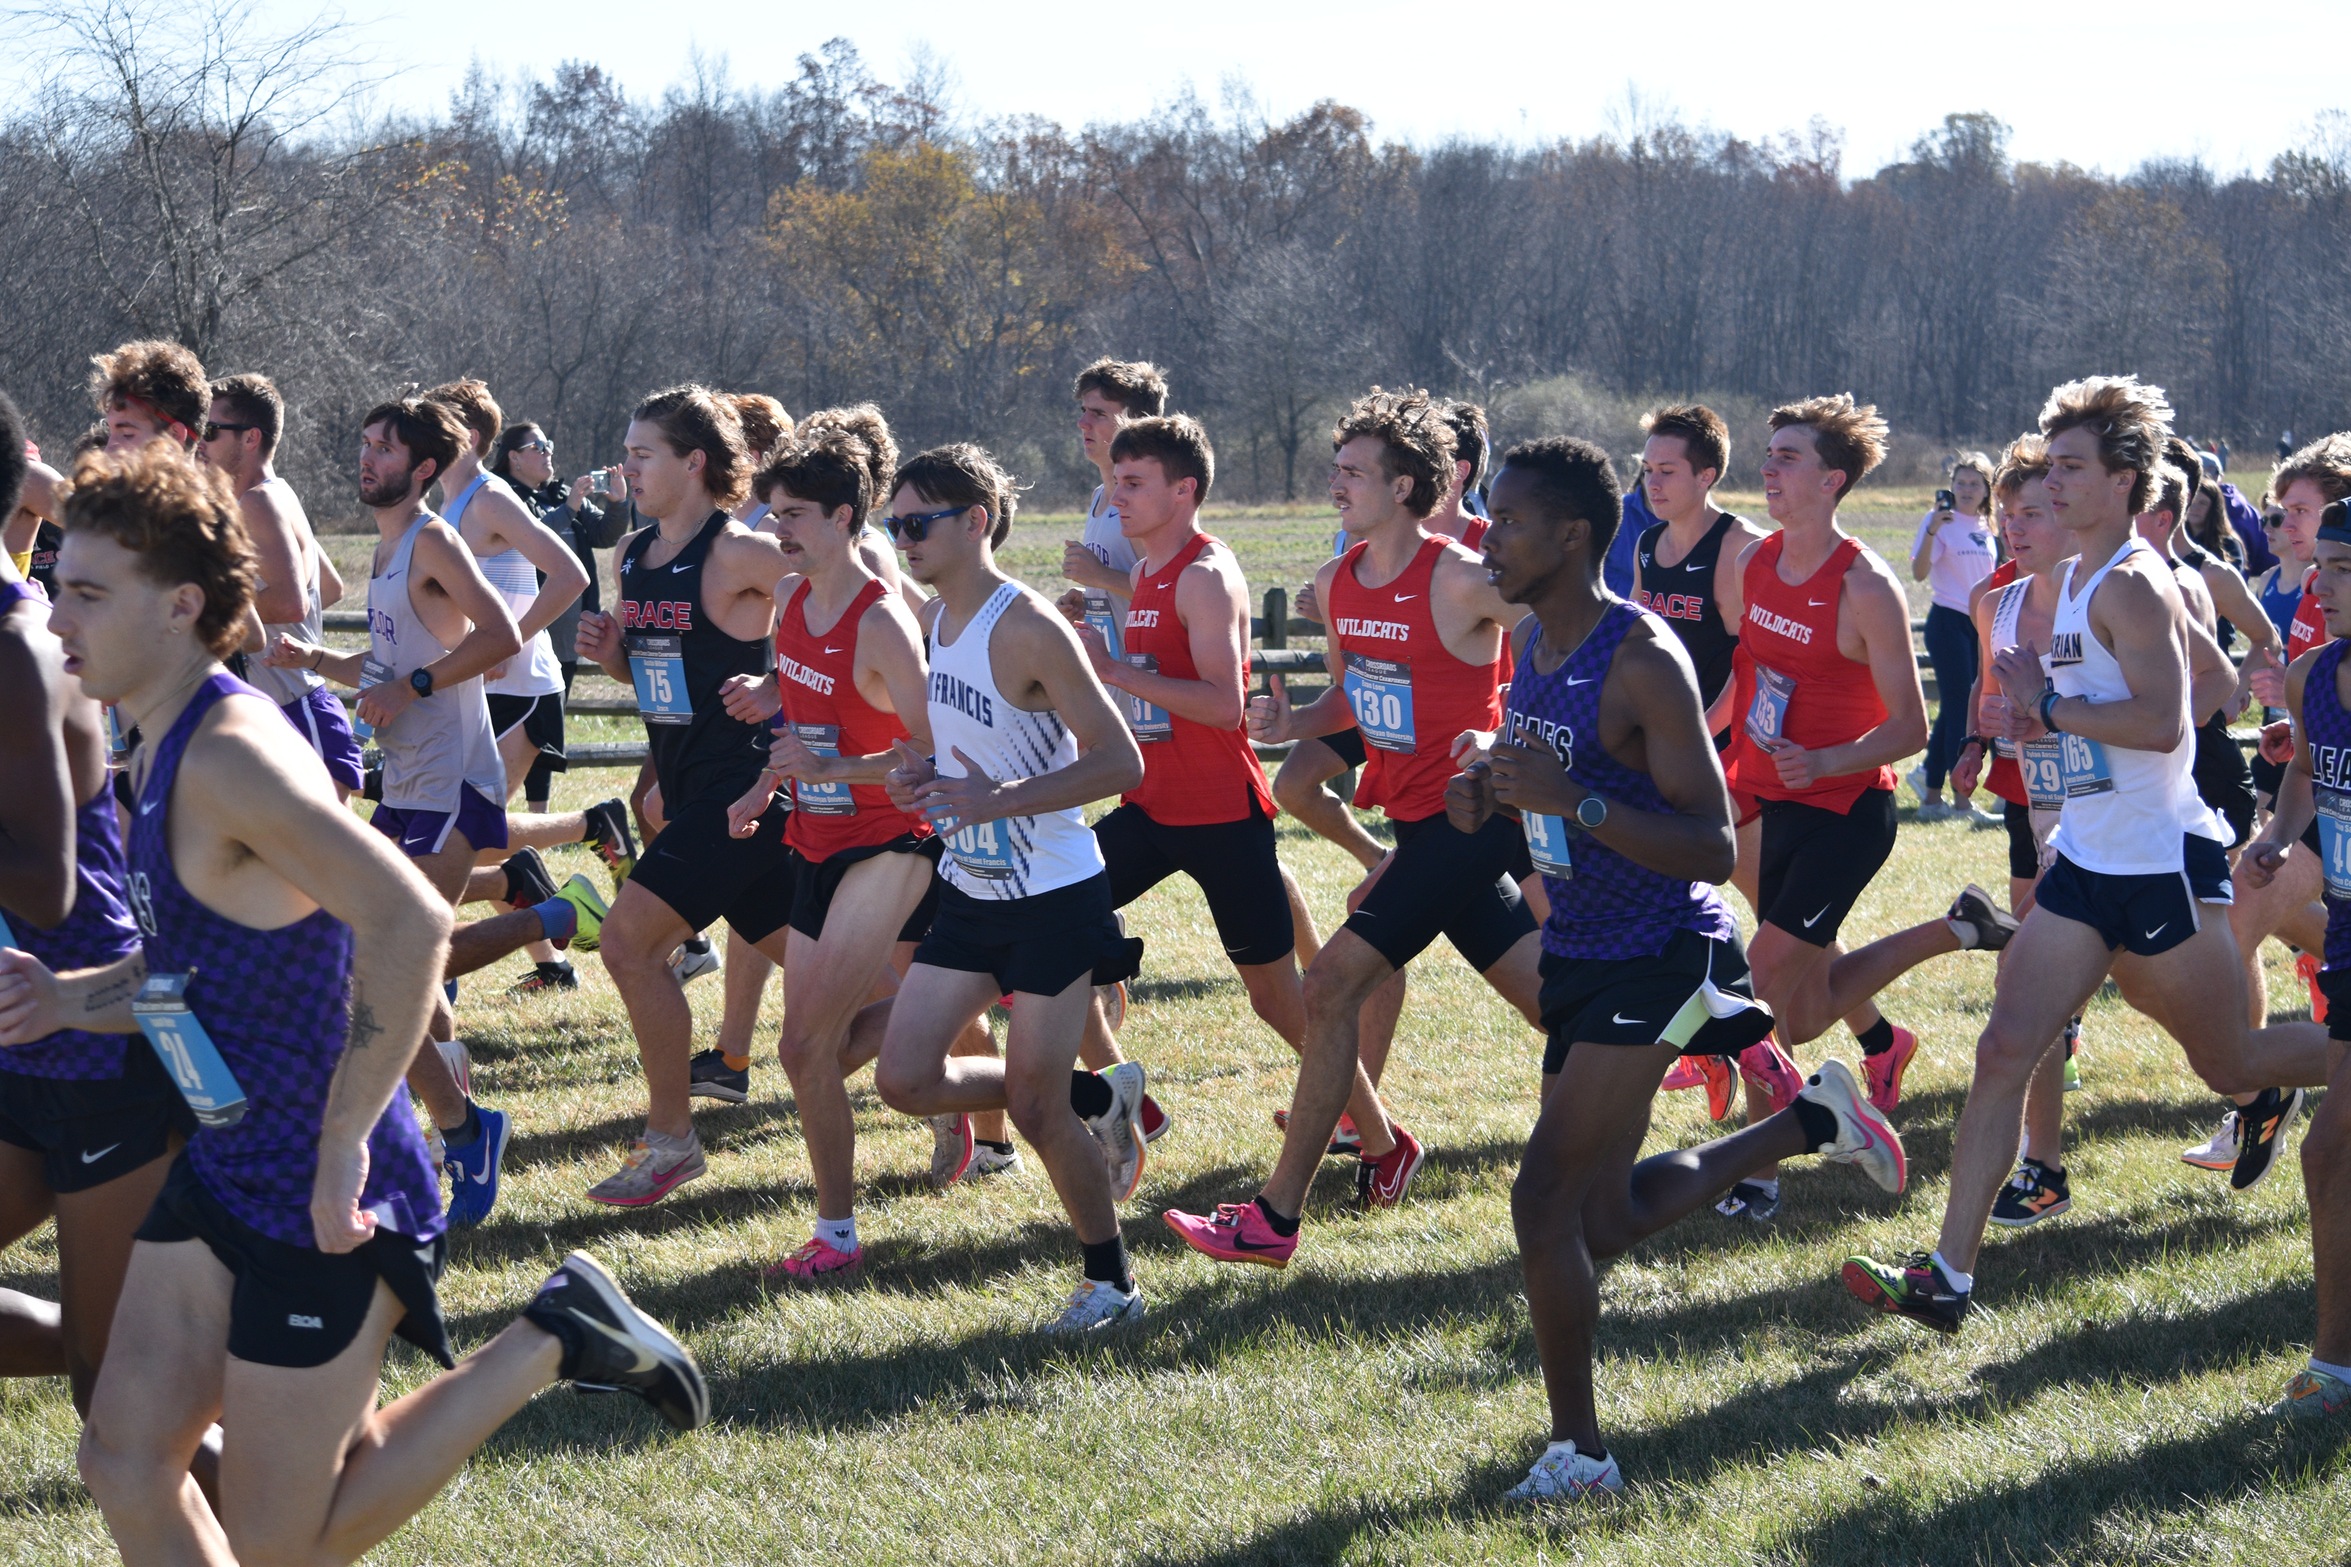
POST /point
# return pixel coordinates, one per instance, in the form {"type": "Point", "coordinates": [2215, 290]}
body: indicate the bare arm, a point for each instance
{"type": "Point", "coordinates": [1212, 603]}
{"type": "Point", "coordinates": [281, 597]}
{"type": "Point", "coordinates": [515, 528]}
{"type": "Point", "coordinates": [1881, 614]}
{"type": "Point", "coordinates": [330, 581]}
{"type": "Point", "coordinates": [2134, 615]}
{"type": "Point", "coordinates": [491, 637]}
{"type": "Point", "coordinates": [36, 787]}
{"type": "Point", "coordinates": [2212, 679]}
{"type": "Point", "coordinates": [1922, 548]}
{"type": "Point", "coordinates": [1271, 718]}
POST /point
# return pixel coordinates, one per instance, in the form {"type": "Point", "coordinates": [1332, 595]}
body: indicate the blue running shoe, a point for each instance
{"type": "Point", "coordinates": [473, 1172]}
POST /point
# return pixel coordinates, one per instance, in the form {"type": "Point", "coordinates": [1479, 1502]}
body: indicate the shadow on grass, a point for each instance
{"type": "Point", "coordinates": [1182, 988]}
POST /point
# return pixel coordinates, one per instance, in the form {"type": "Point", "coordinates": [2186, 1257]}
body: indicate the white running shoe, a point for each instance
{"type": "Point", "coordinates": [987, 1161]}
{"type": "Point", "coordinates": [1097, 1305]}
{"type": "Point", "coordinates": [1564, 1473]}
{"type": "Point", "coordinates": [686, 964]}
{"type": "Point", "coordinates": [1864, 1137]}
{"type": "Point", "coordinates": [2217, 1152]}
{"type": "Point", "coordinates": [1119, 1129]}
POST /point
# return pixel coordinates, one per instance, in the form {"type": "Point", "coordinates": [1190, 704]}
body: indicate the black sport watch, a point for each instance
{"type": "Point", "coordinates": [1591, 811]}
{"type": "Point", "coordinates": [421, 681]}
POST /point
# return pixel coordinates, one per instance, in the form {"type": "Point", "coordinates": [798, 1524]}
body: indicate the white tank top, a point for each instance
{"type": "Point", "coordinates": [439, 743]}
{"type": "Point", "coordinates": [533, 671]}
{"type": "Point", "coordinates": [1015, 856]}
{"type": "Point", "coordinates": [291, 685]}
{"type": "Point", "coordinates": [2125, 811]}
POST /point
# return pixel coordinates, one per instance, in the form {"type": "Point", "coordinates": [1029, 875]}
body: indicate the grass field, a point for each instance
{"type": "Point", "coordinates": [1370, 1404]}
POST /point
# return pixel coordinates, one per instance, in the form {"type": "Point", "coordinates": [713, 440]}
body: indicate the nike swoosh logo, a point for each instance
{"type": "Point", "coordinates": [687, 566]}
{"type": "Point", "coordinates": [644, 1360]}
{"type": "Point", "coordinates": [830, 650]}
{"type": "Point", "coordinates": [93, 1158]}
{"type": "Point", "coordinates": [1818, 603]}
{"type": "Point", "coordinates": [1621, 1018]}
{"type": "Point", "coordinates": [1587, 680]}
{"type": "Point", "coordinates": [1242, 1244]}
{"type": "Point", "coordinates": [480, 1178]}
{"type": "Point", "coordinates": [2157, 931]}
{"type": "Point", "coordinates": [146, 806]}
{"type": "Point", "coordinates": [1401, 597]}
{"type": "Point", "coordinates": [1693, 565]}
{"type": "Point", "coordinates": [1816, 919]}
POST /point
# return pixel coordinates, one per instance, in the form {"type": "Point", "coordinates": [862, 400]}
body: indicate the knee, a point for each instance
{"type": "Point", "coordinates": [1331, 985]}
{"type": "Point", "coordinates": [1546, 1210]}
{"type": "Point", "coordinates": [904, 1086]}
{"type": "Point", "coordinates": [1035, 1106]}
{"type": "Point", "coordinates": [796, 1050]}
{"type": "Point", "coordinates": [1294, 792]}
{"type": "Point", "coordinates": [2003, 1052]}
{"type": "Point", "coordinates": [120, 1471]}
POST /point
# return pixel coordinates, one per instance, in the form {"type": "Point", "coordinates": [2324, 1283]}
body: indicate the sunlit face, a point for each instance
{"type": "Point", "coordinates": [1366, 497]}
{"type": "Point", "coordinates": [2301, 502]}
{"type": "Point", "coordinates": [233, 451]}
{"type": "Point", "coordinates": [661, 482]}
{"type": "Point", "coordinates": [533, 462]}
{"type": "Point", "coordinates": [2333, 585]}
{"type": "Point", "coordinates": [1672, 487]}
{"type": "Point", "coordinates": [388, 476]}
{"type": "Point", "coordinates": [131, 425]}
{"type": "Point", "coordinates": [2032, 533]}
{"type": "Point", "coordinates": [1524, 548]}
{"type": "Point", "coordinates": [1099, 418]}
{"type": "Point", "coordinates": [119, 627]}
{"type": "Point", "coordinates": [1969, 489]}
{"type": "Point", "coordinates": [802, 527]}
{"type": "Point", "coordinates": [1145, 498]}
{"type": "Point", "coordinates": [2082, 494]}
{"type": "Point", "coordinates": [947, 543]}
{"type": "Point", "coordinates": [1796, 483]}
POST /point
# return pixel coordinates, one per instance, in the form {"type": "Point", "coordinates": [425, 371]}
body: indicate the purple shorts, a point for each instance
{"type": "Point", "coordinates": [419, 833]}
{"type": "Point", "coordinates": [322, 721]}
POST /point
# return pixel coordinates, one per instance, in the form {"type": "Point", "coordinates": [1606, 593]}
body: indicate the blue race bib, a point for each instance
{"type": "Point", "coordinates": [984, 851]}
{"type": "Point", "coordinates": [1379, 691]}
{"type": "Point", "coordinates": [2081, 763]}
{"type": "Point", "coordinates": [2043, 772]}
{"type": "Point", "coordinates": [657, 665]}
{"type": "Point", "coordinates": [1547, 845]}
{"type": "Point", "coordinates": [2334, 839]}
{"type": "Point", "coordinates": [822, 799]}
{"type": "Point", "coordinates": [1767, 710]}
{"type": "Point", "coordinates": [187, 1051]}
{"type": "Point", "coordinates": [1147, 721]}
{"type": "Point", "coordinates": [1102, 614]}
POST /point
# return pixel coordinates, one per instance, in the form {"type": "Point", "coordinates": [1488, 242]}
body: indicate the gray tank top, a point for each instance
{"type": "Point", "coordinates": [440, 743]}
{"type": "Point", "coordinates": [291, 685]}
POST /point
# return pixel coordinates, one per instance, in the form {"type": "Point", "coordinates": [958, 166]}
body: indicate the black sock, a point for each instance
{"type": "Point", "coordinates": [1106, 1263]}
{"type": "Point", "coordinates": [994, 1147]}
{"type": "Point", "coordinates": [696, 944]}
{"type": "Point", "coordinates": [1089, 1096]}
{"type": "Point", "coordinates": [1818, 1121]}
{"type": "Point", "coordinates": [1876, 1039]}
{"type": "Point", "coordinates": [467, 1132]}
{"type": "Point", "coordinates": [1281, 1226]}
{"type": "Point", "coordinates": [552, 967]}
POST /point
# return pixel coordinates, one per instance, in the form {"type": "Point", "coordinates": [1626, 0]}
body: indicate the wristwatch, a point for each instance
{"type": "Point", "coordinates": [1591, 811]}
{"type": "Point", "coordinates": [2049, 700]}
{"type": "Point", "coordinates": [421, 681]}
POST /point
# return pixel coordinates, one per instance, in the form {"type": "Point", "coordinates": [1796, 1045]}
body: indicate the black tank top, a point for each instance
{"type": "Point", "coordinates": [712, 753]}
{"type": "Point", "coordinates": [1684, 594]}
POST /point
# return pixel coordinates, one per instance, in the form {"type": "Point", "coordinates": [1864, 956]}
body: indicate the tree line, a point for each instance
{"type": "Point", "coordinates": [842, 238]}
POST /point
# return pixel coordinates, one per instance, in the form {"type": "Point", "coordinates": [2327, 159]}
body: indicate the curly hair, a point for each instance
{"type": "Point", "coordinates": [181, 520]}
{"type": "Point", "coordinates": [162, 375]}
{"type": "Point", "coordinates": [696, 419]}
{"type": "Point", "coordinates": [1137, 385]}
{"type": "Point", "coordinates": [827, 466]}
{"type": "Point", "coordinates": [766, 425]}
{"type": "Point", "coordinates": [2131, 420]}
{"type": "Point", "coordinates": [1472, 439]}
{"type": "Point", "coordinates": [1417, 442]}
{"type": "Point", "coordinates": [1850, 436]}
{"type": "Point", "coordinates": [963, 475]}
{"type": "Point", "coordinates": [863, 423]}
{"type": "Point", "coordinates": [2026, 459]}
{"type": "Point", "coordinates": [2325, 462]}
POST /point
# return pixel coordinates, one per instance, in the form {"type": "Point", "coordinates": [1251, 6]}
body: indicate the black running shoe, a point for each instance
{"type": "Point", "coordinates": [709, 1077]}
{"type": "Point", "coordinates": [1913, 1288]}
{"type": "Point", "coordinates": [1750, 1201]}
{"type": "Point", "coordinates": [527, 881]}
{"type": "Point", "coordinates": [609, 1346]}
{"type": "Point", "coordinates": [611, 836]}
{"type": "Point", "coordinates": [2035, 1192]}
{"type": "Point", "coordinates": [1983, 925]}
{"type": "Point", "coordinates": [2261, 1135]}
{"type": "Point", "coordinates": [545, 977]}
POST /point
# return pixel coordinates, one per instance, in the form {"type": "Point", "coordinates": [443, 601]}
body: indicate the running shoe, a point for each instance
{"type": "Point", "coordinates": [1094, 1305]}
{"type": "Point", "coordinates": [1722, 1085]}
{"type": "Point", "coordinates": [709, 1077]}
{"type": "Point", "coordinates": [640, 1182]}
{"type": "Point", "coordinates": [988, 1159]}
{"type": "Point", "coordinates": [1563, 1474]}
{"type": "Point", "coordinates": [818, 1259]}
{"type": "Point", "coordinates": [1750, 1200]}
{"type": "Point", "coordinates": [2072, 1076]}
{"type": "Point", "coordinates": [1767, 1069]}
{"type": "Point", "coordinates": [1913, 1288]}
{"type": "Point", "coordinates": [1930, 808]}
{"type": "Point", "coordinates": [951, 1149]}
{"type": "Point", "coordinates": [1977, 816]}
{"type": "Point", "coordinates": [1380, 1182]}
{"type": "Point", "coordinates": [473, 1171]}
{"type": "Point", "coordinates": [2313, 1395]}
{"type": "Point", "coordinates": [544, 977]}
{"type": "Point", "coordinates": [1236, 1232]}
{"type": "Point", "coordinates": [1345, 1140]}
{"type": "Point", "coordinates": [1864, 1137]}
{"type": "Point", "coordinates": [2073, 1056]}
{"type": "Point", "coordinates": [694, 958]}
{"type": "Point", "coordinates": [1884, 1071]}
{"type": "Point", "coordinates": [527, 881]}
{"type": "Point", "coordinates": [609, 1346]}
{"type": "Point", "coordinates": [613, 839]}
{"type": "Point", "coordinates": [591, 911]}
{"type": "Point", "coordinates": [2217, 1152]}
{"type": "Point", "coordinates": [1114, 998]}
{"type": "Point", "coordinates": [2035, 1192]}
{"type": "Point", "coordinates": [1119, 1129]}
{"type": "Point", "coordinates": [1154, 1118]}
{"type": "Point", "coordinates": [1682, 1074]}
{"type": "Point", "coordinates": [1983, 926]}
{"type": "Point", "coordinates": [2265, 1123]}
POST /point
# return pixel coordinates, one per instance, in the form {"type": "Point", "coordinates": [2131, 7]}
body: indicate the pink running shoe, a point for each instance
{"type": "Point", "coordinates": [1768, 1071]}
{"type": "Point", "coordinates": [1380, 1182]}
{"type": "Point", "coordinates": [1684, 1073]}
{"type": "Point", "coordinates": [1722, 1084]}
{"type": "Point", "coordinates": [818, 1259]}
{"type": "Point", "coordinates": [2306, 967]}
{"type": "Point", "coordinates": [1885, 1070]}
{"type": "Point", "coordinates": [1236, 1232]}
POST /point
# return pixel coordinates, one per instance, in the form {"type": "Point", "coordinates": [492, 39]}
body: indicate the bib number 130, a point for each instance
{"type": "Point", "coordinates": [1379, 691]}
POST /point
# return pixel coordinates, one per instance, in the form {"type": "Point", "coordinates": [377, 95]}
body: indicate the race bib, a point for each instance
{"type": "Point", "coordinates": [1147, 721]}
{"type": "Point", "coordinates": [984, 851]}
{"type": "Point", "coordinates": [118, 742]}
{"type": "Point", "coordinates": [7, 936]}
{"type": "Point", "coordinates": [187, 1051]}
{"type": "Point", "coordinates": [822, 799]}
{"type": "Point", "coordinates": [657, 665]}
{"type": "Point", "coordinates": [1379, 690]}
{"type": "Point", "coordinates": [2081, 763]}
{"type": "Point", "coordinates": [1767, 710]}
{"type": "Point", "coordinates": [2334, 839]}
{"type": "Point", "coordinates": [2044, 775]}
{"type": "Point", "coordinates": [1102, 615]}
{"type": "Point", "coordinates": [1547, 845]}
{"type": "Point", "coordinates": [373, 672]}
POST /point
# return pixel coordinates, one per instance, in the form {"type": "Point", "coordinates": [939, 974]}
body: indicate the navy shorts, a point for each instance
{"type": "Point", "coordinates": [320, 719]}
{"type": "Point", "coordinates": [419, 833]}
{"type": "Point", "coordinates": [2148, 914]}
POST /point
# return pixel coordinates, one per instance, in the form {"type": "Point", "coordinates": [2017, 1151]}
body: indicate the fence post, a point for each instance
{"type": "Point", "coordinates": [1277, 628]}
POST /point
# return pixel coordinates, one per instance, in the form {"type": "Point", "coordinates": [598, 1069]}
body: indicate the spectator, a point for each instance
{"type": "Point", "coordinates": [1620, 567]}
{"type": "Point", "coordinates": [1952, 553]}
{"type": "Point", "coordinates": [2220, 449]}
{"type": "Point", "coordinates": [2244, 521]}
{"type": "Point", "coordinates": [2208, 525]}
{"type": "Point", "coordinates": [2285, 444]}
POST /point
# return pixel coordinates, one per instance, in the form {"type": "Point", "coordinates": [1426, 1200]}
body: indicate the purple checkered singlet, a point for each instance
{"type": "Point", "coordinates": [95, 933]}
{"type": "Point", "coordinates": [2329, 733]}
{"type": "Point", "coordinates": [1612, 907]}
{"type": "Point", "coordinates": [274, 1002]}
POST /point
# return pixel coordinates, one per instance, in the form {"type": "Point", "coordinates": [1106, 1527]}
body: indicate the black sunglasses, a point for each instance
{"type": "Point", "coordinates": [212, 430]}
{"type": "Point", "coordinates": [914, 529]}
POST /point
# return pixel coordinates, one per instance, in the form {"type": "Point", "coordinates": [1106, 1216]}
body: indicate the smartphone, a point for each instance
{"type": "Point", "coordinates": [600, 483]}
{"type": "Point", "coordinates": [1946, 501]}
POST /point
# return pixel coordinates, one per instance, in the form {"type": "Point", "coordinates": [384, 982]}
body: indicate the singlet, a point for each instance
{"type": "Point", "coordinates": [1608, 906]}
{"type": "Point", "coordinates": [2280, 604]}
{"type": "Point", "coordinates": [1802, 688]}
{"type": "Point", "coordinates": [1108, 544]}
{"type": "Point", "coordinates": [2125, 810]}
{"type": "Point", "coordinates": [1410, 694]}
{"type": "Point", "coordinates": [678, 659]}
{"type": "Point", "coordinates": [292, 685]}
{"type": "Point", "coordinates": [2196, 558]}
{"type": "Point", "coordinates": [96, 931]}
{"type": "Point", "coordinates": [274, 1002]}
{"type": "Point", "coordinates": [1683, 596]}
{"type": "Point", "coordinates": [40, 566]}
{"type": "Point", "coordinates": [1013, 856]}
{"type": "Point", "coordinates": [2003, 777]}
{"type": "Point", "coordinates": [533, 671]}
{"type": "Point", "coordinates": [2309, 625]}
{"type": "Point", "coordinates": [1473, 534]}
{"type": "Point", "coordinates": [1193, 775]}
{"type": "Point", "coordinates": [816, 678]}
{"type": "Point", "coordinates": [2330, 778]}
{"type": "Point", "coordinates": [439, 744]}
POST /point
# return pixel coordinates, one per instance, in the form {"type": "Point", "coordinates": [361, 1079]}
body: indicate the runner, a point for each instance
{"type": "Point", "coordinates": [696, 606]}
{"type": "Point", "coordinates": [298, 583]}
{"type": "Point", "coordinates": [1415, 662]}
{"type": "Point", "coordinates": [1111, 394]}
{"type": "Point", "coordinates": [150, 390]}
{"type": "Point", "coordinates": [292, 952]}
{"type": "Point", "coordinates": [2137, 853]}
{"type": "Point", "coordinates": [1024, 737]}
{"type": "Point", "coordinates": [32, 532]}
{"type": "Point", "coordinates": [1605, 728]}
{"type": "Point", "coordinates": [2222, 781]}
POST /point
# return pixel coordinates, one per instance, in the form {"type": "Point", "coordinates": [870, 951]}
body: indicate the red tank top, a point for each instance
{"type": "Point", "coordinates": [816, 676]}
{"type": "Point", "coordinates": [1788, 650]}
{"type": "Point", "coordinates": [2310, 623]}
{"type": "Point", "coordinates": [1410, 695]}
{"type": "Point", "coordinates": [2001, 777]}
{"type": "Point", "coordinates": [1193, 775]}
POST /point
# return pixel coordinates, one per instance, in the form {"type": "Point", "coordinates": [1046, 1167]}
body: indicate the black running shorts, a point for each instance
{"type": "Point", "coordinates": [2335, 985]}
{"type": "Point", "coordinates": [296, 1306]}
{"type": "Point", "coordinates": [1347, 745]}
{"type": "Point", "coordinates": [1233, 863]}
{"type": "Point", "coordinates": [815, 882]}
{"type": "Point", "coordinates": [89, 1131]}
{"type": "Point", "coordinates": [1441, 882]}
{"type": "Point", "coordinates": [1039, 944]}
{"type": "Point", "coordinates": [541, 718]}
{"type": "Point", "coordinates": [706, 876]}
{"type": "Point", "coordinates": [2146, 915]}
{"type": "Point", "coordinates": [1816, 863]}
{"type": "Point", "coordinates": [1694, 994]}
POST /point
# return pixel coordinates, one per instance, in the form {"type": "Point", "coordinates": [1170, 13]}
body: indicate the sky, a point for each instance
{"type": "Point", "coordinates": [2100, 86]}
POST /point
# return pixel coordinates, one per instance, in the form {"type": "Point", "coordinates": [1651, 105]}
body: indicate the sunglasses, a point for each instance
{"type": "Point", "coordinates": [536, 446]}
{"type": "Point", "coordinates": [213, 431]}
{"type": "Point", "coordinates": [914, 529]}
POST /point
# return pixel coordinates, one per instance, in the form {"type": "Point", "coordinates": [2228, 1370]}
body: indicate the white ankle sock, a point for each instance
{"type": "Point", "coordinates": [1962, 1282]}
{"type": "Point", "coordinates": [840, 1234]}
{"type": "Point", "coordinates": [2339, 1373]}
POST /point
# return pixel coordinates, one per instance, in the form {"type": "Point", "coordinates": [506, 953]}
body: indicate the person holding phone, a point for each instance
{"type": "Point", "coordinates": [1951, 554]}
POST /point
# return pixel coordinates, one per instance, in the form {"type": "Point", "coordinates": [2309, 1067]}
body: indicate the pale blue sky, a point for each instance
{"type": "Point", "coordinates": [2099, 85]}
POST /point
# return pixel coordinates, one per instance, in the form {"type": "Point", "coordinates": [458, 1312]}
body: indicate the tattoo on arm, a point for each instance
{"type": "Point", "coordinates": [364, 1029]}
{"type": "Point", "coordinates": [101, 998]}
